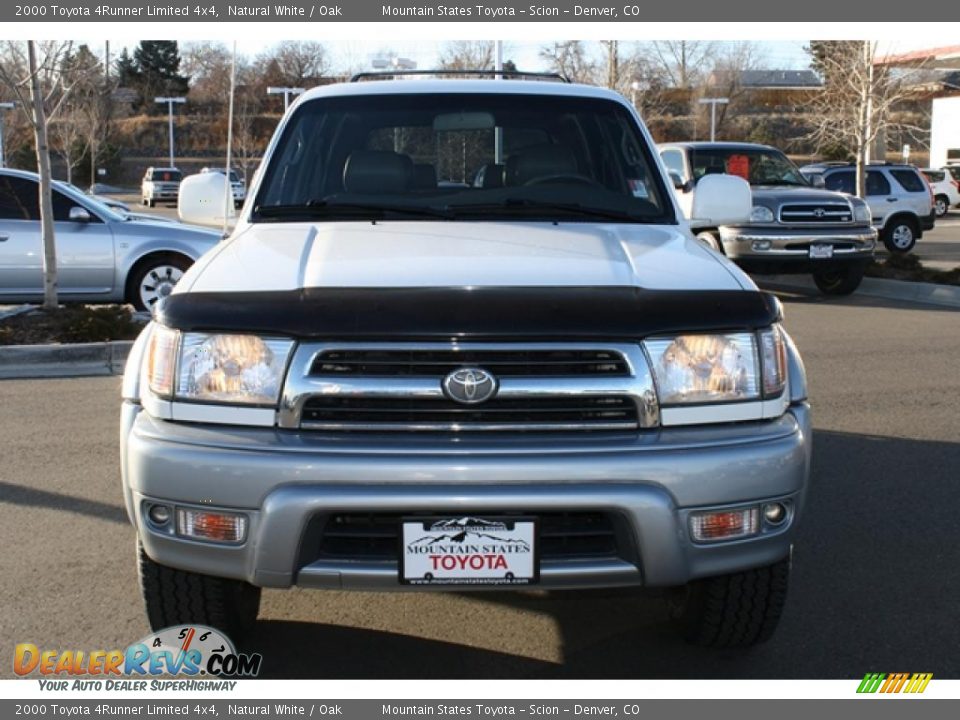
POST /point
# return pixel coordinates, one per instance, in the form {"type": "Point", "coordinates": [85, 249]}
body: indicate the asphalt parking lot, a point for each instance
{"type": "Point", "coordinates": [874, 588]}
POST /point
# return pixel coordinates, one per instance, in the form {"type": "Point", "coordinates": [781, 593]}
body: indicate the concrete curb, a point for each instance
{"type": "Point", "coordinates": [74, 360]}
{"type": "Point", "coordinates": [918, 292]}
{"type": "Point", "coordinates": [13, 312]}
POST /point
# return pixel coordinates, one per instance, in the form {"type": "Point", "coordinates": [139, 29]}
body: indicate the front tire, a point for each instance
{"type": "Point", "coordinates": [711, 240]}
{"type": "Point", "coordinates": [900, 235]}
{"type": "Point", "coordinates": [153, 278]}
{"type": "Point", "coordinates": [177, 597]}
{"type": "Point", "coordinates": [737, 610]}
{"type": "Point", "coordinates": [842, 280]}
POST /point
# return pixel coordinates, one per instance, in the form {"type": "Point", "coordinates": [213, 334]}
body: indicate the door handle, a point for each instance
{"type": "Point", "coordinates": [4, 238]}
{"type": "Point", "coordinates": [891, 199]}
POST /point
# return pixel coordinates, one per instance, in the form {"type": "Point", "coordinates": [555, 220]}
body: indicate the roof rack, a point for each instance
{"type": "Point", "coordinates": [517, 74]}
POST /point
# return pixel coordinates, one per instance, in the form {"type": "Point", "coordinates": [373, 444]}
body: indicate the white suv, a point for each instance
{"type": "Point", "coordinates": [390, 378]}
{"type": "Point", "coordinates": [946, 189]}
{"type": "Point", "coordinates": [899, 197]}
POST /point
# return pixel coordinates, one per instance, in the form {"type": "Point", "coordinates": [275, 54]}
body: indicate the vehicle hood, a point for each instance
{"type": "Point", "coordinates": [281, 257]}
{"type": "Point", "coordinates": [773, 195]}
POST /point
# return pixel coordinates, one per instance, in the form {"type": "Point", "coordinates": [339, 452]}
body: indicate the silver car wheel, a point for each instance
{"type": "Point", "coordinates": [157, 283]}
{"type": "Point", "coordinates": [902, 236]}
{"type": "Point", "coordinates": [942, 206]}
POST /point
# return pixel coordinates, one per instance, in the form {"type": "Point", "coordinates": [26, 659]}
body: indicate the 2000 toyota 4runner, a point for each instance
{"type": "Point", "coordinates": [462, 338]}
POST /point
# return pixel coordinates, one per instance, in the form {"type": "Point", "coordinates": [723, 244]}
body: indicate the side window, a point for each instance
{"type": "Point", "coordinates": [841, 182]}
{"type": "Point", "coordinates": [18, 199]}
{"type": "Point", "coordinates": [673, 159]}
{"type": "Point", "coordinates": [877, 184]}
{"type": "Point", "coordinates": [910, 180]}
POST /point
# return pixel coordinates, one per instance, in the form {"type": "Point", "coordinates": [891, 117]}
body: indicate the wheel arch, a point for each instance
{"type": "Point", "coordinates": [149, 256]}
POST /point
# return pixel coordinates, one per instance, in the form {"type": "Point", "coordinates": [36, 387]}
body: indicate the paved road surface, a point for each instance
{"type": "Point", "coordinates": [875, 585]}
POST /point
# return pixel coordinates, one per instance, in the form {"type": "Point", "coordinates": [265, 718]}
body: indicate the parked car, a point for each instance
{"type": "Point", "coordinates": [237, 184]}
{"type": "Point", "coordinates": [160, 185]}
{"type": "Point", "coordinates": [899, 197]}
{"type": "Point", "coordinates": [389, 379]}
{"type": "Point", "coordinates": [794, 227]}
{"type": "Point", "coordinates": [946, 190]}
{"type": "Point", "coordinates": [102, 256]}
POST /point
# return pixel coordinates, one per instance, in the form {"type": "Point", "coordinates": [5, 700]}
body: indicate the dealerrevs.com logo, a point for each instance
{"type": "Point", "coordinates": [182, 651]}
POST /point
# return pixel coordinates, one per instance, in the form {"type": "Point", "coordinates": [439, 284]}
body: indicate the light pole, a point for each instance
{"type": "Point", "coordinates": [3, 106]}
{"type": "Point", "coordinates": [170, 102]}
{"type": "Point", "coordinates": [286, 92]}
{"type": "Point", "coordinates": [713, 102]}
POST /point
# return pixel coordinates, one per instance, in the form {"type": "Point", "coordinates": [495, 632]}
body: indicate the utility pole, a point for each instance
{"type": "Point", "coordinates": [713, 102]}
{"type": "Point", "coordinates": [170, 101]}
{"type": "Point", "coordinates": [4, 106]}
{"type": "Point", "coordinates": [286, 92]}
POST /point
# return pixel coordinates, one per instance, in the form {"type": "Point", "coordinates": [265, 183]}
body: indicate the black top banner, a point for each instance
{"type": "Point", "coordinates": [625, 11]}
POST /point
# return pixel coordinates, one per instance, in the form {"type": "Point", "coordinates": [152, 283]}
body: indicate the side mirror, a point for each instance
{"type": "Point", "coordinates": [721, 200]}
{"type": "Point", "coordinates": [206, 199]}
{"type": "Point", "coordinates": [678, 183]}
{"type": "Point", "coordinates": [79, 214]}
{"type": "Point", "coordinates": [817, 181]}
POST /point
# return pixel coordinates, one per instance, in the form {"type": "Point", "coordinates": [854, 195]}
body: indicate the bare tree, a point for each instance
{"type": "Point", "coordinates": [571, 59]}
{"type": "Point", "coordinates": [684, 63]}
{"type": "Point", "coordinates": [41, 86]}
{"type": "Point", "coordinates": [859, 91]}
{"type": "Point", "coordinates": [298, 61]}
{"type": "Point", "coordinates": [730, 62]}
{"type": "Point", "coordinates": [468, 55]}
{"type": "Point", "coordinates": [247, 145]}
{"type": "Point", "coordinates": [207, 63]}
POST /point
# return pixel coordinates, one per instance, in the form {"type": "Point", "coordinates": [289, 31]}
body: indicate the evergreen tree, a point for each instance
{"type": "Point", "coordinates": [157, 65]}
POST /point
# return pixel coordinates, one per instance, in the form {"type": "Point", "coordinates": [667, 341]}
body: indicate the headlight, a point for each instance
{"type": "Point", "coordinates": [861, 213]}
{"type": "Point", "coordinates": [699, 369]}
{"type": "Point", "coordinates": [220, 368]}
{"type": "Point", "coordinates": [761, 214]}
{"type": "Point", "coordinates": [235, 369]}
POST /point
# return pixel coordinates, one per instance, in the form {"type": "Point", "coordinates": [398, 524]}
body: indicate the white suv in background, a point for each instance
{"type": "Point", "coordinates": [946, 189]}
{"type": "Point", "coordinates": [899, 197]}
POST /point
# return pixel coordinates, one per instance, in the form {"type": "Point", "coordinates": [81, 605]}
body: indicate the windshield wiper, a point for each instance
{"type": "Point", "coordinates": [529, 204]}
{"type": "Point", "coordinates": [326, 208]}
{"type": "Point", "coordinates": [781, 182]}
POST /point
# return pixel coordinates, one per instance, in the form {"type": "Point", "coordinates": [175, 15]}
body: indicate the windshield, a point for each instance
{"type": "Point", "coordinates": [166, 176]}
{"type": "Point", "coordinates": [758, 166]}
{"type": "Point", "coordinates": [462, 156]}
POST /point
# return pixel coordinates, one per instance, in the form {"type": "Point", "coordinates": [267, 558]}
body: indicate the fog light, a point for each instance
{"type": "Point", "coordinates": [774, 513]}
{"type": "Point", "coordinates": [215, 526]}
{"type": "Point", "coordinates": [724, 525]}
{"type": "Point", "coordinates": [159, 514]}
{"type": "Point", "coordinates": [761, 245]}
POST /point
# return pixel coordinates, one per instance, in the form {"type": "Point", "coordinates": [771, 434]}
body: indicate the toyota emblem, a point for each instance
{"type": "Point", "coordinates": [819, 212]}
{"type": "Point", "coordinates": [469, 386]}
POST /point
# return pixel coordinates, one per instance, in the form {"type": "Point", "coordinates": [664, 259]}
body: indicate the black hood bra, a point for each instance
{"type": "Point", "coordinates": [484, 313]}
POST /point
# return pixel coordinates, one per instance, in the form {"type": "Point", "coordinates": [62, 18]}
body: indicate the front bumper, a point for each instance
{"type": "Point", "coordinates": [786, 246]}
{"type": "Point", "coordinates": [287, 483]}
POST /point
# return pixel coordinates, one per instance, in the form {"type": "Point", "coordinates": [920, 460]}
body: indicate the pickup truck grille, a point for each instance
{"type": "Point", "coordinates": [502, 363]}
{"type": "Point", "coordinates": [497, 415]}
{"type": "Point", "coordinates": [816, 213]}
{"type": "Point", "coordinates": [400, 387]}
{"type": "Point", "coordinates": [563, 536]}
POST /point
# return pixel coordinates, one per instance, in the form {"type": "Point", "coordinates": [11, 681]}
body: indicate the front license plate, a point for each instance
{"type": "Point", "coordinates": [821, 252]}
{"type": "Point", "coordinates": [469, 551]}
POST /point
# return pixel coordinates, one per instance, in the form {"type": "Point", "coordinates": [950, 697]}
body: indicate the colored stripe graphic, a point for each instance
{"type": "Point", "coordinates": [894, 683]}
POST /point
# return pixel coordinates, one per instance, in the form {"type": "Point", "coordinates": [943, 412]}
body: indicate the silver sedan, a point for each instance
{"type": "Point", "coordinates": [102, 255]}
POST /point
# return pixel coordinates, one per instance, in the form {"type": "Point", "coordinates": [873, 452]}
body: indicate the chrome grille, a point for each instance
{"type": "Point", "coordinates": [398, 387]}
{"type": "Point", "coordinates": [502, 363]}
{"type": "Point", "coordinates": [816, 213]}
{"type": "Point", "coordinates": [442, 415]}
